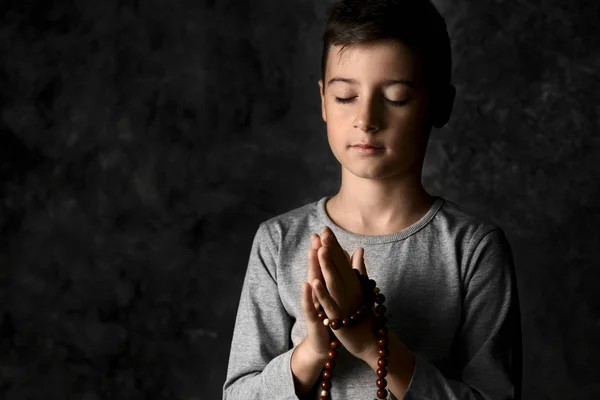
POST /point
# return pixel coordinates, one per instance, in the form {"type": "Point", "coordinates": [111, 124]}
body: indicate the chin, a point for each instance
{"type": "Point", "coordinates": [371, 172]}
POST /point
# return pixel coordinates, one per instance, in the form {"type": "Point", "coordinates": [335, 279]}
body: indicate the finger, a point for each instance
{"type": "Point", "coordinates": [310, 313]}
{"type": "Point", "coordinates": [348, 257]}
{"type": "Point", "coordinates": [314, 272]}
{"type": "Point", "coordinates": [315, 241]}
{"type": "Point", "coordinates": [314, 268]}
{"type": "Point", "coordinates": [329, 305]}
{"type": "Point", "coordinates": [328, 238]}
{"type": "Point", "coordinates": [338, 256]}
{"type": "Point", "coordinates": [358, 261]}
{"type": "Point", "coordinates": [331, 276]}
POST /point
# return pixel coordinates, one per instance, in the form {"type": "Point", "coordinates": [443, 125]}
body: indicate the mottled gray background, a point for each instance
{"type": "Point", "coordinates": [142, 142]}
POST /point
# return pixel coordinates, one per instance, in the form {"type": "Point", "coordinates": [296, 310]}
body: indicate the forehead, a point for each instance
{"type": "Point", "coordinates": [383, 59]}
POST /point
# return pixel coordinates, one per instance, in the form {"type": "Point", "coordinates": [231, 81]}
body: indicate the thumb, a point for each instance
{"type": "Point", "coordinates": [358, 261]}
{"type": "Point", "coordinates": [308, 308]}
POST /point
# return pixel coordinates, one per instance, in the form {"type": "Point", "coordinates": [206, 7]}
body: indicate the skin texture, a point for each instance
{"type": "Point", "coordinates": [380, 193]}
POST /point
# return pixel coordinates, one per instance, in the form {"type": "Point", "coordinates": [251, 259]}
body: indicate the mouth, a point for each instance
{"type": "Point", "coordinates": [367, 149]}
{"type": "Point", "coordinates": [367, 146]}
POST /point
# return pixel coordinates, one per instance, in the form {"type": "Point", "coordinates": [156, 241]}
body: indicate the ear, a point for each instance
{"type": "Point", "coordinates": [443, 105]}
{"type": "Point", "coordinates": [322, 91]}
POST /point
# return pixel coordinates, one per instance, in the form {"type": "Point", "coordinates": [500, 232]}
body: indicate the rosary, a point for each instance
{"type": "Point", "coordinates": [370, 294]}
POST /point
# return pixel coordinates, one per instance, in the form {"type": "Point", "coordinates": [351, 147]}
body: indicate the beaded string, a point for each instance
{"type": "Point", "coordinates": [371, 293]}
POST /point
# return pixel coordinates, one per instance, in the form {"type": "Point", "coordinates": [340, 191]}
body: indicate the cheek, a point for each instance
{"type": "Point", "coordinates": [335, 134]}
{"type": "Point", "coordinates": [408, 120]}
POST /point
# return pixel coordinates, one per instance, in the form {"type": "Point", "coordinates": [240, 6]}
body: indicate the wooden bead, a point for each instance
{"type": "Point", "coordinates": [381, 332]}
{"type": "Point", "coordinates": [380, 309]}
{"type": "Point", "coordinates": [356, 272]}
{"type": "Point", "coordinates": [335, 324]}
{"type": "Point", "coordinates": [381, 383]}
{"type": "Point", "coordinates": [371, 295]}
{"type": "Point", "coordinates": [382, 362]}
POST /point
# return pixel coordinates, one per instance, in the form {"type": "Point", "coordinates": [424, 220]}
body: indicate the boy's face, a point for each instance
{"type": "Point", "coordinates": [386, 105]}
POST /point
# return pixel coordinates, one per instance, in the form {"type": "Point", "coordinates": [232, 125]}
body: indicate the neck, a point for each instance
{"type": "Point", "coordinates": [379, 206]}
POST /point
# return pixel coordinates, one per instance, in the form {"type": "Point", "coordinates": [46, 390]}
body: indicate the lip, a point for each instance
{"type": "Point", "coordinates": [366, 150]}
{"type": "Point", "coordinates": [367, 146]}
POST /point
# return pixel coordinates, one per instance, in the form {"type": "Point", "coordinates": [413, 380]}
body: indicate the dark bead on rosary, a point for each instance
{"type": "Point", "coordinates": [334, 344]}
{"type": "Point", "coordinates": [327, 374]}
{"type": "Point", "coordinates": [353, 317]}
{"type": "Point", "coordinates": [326, 385]}
{"type": "Point", "coordinates": [323, 398]}
{"type": "Point", "coordinates": [382, 362]}
{"type": "Point", "coordinates": [380, 309]}
{"type": "Point", "coordinates": [331, 354]}
{"type": "Point", "coordinates": [380, 321]}
{"type": "Point", "coordinates": [382, 342]}
{"type": "Point", "coordinates": [381, 394]}
{"type": "Point", "coordinates": [382, 352]}
{"type": "Point", "coordinates": [372, 284]}
{"type": "Point", "coordinates": [345, 321]}
{"type": "Point", "coordinates": [321, 315]}
{"type": "Point", "coordinates": [381, 383]}
{"type": "Point", "coordinates": [382, 372]}
{"type": "Point", "coordinates": [335, 324]}
{"type": "Point", "coordinates": [381, 332]}
{"type": "Point", "coordinates": [379, 298]}
{"type": "Point", "coordinates": [329, 364]}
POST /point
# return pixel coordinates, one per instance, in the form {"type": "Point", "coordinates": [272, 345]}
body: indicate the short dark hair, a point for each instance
{"type": "Point", "coordinates": [415, 23]}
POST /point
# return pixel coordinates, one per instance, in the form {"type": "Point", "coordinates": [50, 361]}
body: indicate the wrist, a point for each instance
{"type": "Point", "coordinates": [308, 356]}
{"type": "Point", "coordinates": [306, 366]}
{"type": "Point", "coordinates": [370, 356]}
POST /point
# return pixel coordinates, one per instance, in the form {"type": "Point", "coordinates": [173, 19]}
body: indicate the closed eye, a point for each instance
{"type": "Point", "coordinates": [346, 100]}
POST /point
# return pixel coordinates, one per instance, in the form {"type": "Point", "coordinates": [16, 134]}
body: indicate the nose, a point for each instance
{"type": "Point", "coordinates": [367, 118]}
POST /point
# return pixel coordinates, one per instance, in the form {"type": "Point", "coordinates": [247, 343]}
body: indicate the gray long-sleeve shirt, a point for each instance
{"type": "Point", "coordinates": [451, 296]}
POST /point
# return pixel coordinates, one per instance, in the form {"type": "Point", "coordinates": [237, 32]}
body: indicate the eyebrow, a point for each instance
{"type": "Point", "coordinates": [386, 83]}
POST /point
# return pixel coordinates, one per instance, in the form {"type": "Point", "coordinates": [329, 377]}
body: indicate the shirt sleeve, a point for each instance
{"type": "Point", "coordinates": [260, 356]}
{"type": "Point", "coordinates": [489, 343]}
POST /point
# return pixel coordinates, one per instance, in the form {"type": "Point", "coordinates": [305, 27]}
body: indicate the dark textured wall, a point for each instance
{"type": "Point", "coordinates": [142, 142]}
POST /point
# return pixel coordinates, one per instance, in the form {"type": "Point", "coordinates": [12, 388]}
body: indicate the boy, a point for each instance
{"type": "Point", "coordinates": [447, 275]}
